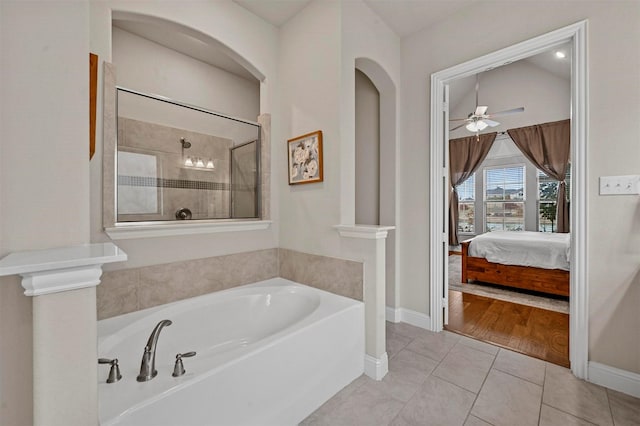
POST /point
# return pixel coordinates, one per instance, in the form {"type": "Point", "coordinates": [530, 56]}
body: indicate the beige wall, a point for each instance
{"type": "Point", "coordinates": [309, 69]}
{"type": "Point", "coordinates": [613, 69]}
{"type": "Point", "coordinates": [44, 168]}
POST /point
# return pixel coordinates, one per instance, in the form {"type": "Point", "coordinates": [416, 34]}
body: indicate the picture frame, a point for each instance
{"type": "Point", "coordinates": [305, 158]}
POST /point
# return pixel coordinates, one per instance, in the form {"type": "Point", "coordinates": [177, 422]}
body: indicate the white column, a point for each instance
{"type": "Point", "coordinates": [367, 243]}
{"type": "Point", "coordinates": [63, 281]}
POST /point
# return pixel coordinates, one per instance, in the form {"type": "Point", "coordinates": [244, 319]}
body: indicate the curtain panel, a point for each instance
{"type": "Point", "coordinates": [547, 146]}
{"type": "Point", "coordinates": [465, 156]}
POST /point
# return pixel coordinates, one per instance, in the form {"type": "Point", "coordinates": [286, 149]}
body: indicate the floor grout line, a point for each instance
{"type": "Point", "coordinates": [606, 392]}
{"type": "Point", "coordinates": [481, 386]}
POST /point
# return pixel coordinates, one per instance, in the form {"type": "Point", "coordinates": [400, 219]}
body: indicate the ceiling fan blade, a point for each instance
{"type": "Point", "coordinates": [507, 112]}
{"type": "Point", "coordinates": [458, 119]}
{"type": "Point", "coordinates": [457, 127]}
{"type": "Point", "coordinates": [491, 122]}
{"type": "Point", "coordinates": [480, 110]}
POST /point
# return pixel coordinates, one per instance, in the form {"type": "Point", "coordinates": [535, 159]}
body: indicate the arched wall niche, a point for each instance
{"type": "Point", "coordinates": [387, 89]}
{"type": "Point", "coordinates": [202, 44]}
{"type": "Point", "coordinates": [193, 33]}
{"type": "Point", "coordinates": [388, 131]}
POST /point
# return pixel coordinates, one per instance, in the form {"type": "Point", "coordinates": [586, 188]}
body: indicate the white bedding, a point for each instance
{"type": "Point", "coordinates": [525, 248]}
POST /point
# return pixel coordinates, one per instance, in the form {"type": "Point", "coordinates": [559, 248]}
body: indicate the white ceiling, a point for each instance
{"type": "Point", "coordinates": [547, 61]}
{"type": "Point", "coordinates": [277, 12]}
{"type": "Point", "coordinates": [404, 17]}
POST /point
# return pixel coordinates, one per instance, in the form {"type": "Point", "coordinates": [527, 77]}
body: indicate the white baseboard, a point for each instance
{"type": "Point", "coordinates": [614, 378]}
{"type": "Point", "coordinates": [416, 318]}
{"type": "Point", "coordinates": [376, 368]}
{"type": "Point", "coordinates": [410, 317]}
{"type": "Point", "coordinates": [393, 314]}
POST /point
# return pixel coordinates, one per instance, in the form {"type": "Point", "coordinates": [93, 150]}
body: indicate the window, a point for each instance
{"type": "Point", "coordinates": [504, 197]}
{"type": "Point", "coordinates": [547, 195]}
{"type": "Point", "coordinates": [466, 205]}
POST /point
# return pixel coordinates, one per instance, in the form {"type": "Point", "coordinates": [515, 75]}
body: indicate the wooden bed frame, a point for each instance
{"type": "Point", "coordinates": [553, 281]}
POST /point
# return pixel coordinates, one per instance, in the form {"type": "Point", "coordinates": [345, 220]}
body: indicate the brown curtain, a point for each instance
{"type": "Point", "coordinates": [547, 146]}
{"type": "Point", "coordinates": [465, 156]}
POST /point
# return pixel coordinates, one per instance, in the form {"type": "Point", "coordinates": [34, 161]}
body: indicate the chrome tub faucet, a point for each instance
{"type": "Point", "coordinates": [148, 365]}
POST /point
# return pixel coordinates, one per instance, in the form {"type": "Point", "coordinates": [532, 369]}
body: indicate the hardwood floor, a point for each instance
{"type": "Point", "coordinates": [532, 331]}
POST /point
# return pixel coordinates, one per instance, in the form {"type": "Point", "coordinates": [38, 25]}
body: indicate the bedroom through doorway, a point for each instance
{"type": "Point", "coordinates": [509, 258]}
{"type": "Point", "coordinates": [510, 171]}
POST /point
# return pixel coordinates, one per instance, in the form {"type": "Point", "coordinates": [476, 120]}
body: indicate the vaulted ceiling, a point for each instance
{"type": "Point", "coordinates": [404, 17]}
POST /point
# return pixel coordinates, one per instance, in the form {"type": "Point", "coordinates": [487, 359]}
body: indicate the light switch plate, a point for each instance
{"type": "Point", "coordinates": [620, 185]}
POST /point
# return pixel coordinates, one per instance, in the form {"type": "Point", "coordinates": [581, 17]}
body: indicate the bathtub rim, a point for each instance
{"type": "Point", "coordinates": [112, 325]}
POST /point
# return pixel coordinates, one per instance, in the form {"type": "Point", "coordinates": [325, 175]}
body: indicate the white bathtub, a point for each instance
{"type": "Point", "coordinates": [268, 353]}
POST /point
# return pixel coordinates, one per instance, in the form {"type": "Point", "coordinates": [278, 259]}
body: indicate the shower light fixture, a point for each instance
{"type": "Point", "coordinates": [198, 163]}
{"type": "Point", "coordinates": [194, 162]}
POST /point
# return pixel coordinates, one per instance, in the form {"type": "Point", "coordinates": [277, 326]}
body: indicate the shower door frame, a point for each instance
{"type": "Point", "coordinates": [258, 180]}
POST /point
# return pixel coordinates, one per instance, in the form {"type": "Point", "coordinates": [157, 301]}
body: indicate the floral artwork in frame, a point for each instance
{"type": "Point", "coordinates": [305, 158]}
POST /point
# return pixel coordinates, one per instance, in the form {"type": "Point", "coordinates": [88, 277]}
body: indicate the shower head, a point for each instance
{"type": "Point", "coordinates": [185, 143]}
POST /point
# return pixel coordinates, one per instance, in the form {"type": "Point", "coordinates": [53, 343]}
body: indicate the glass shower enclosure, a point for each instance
{"type": "Point", "coordinates": [179, 162]}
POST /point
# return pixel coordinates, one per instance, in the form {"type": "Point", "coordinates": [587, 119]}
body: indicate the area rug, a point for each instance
{"type": "Point", "coordinates": [502, 293]}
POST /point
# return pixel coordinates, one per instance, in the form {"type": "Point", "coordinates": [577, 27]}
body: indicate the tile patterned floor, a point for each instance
{"type": "Point", "coordinates": [448, 379]}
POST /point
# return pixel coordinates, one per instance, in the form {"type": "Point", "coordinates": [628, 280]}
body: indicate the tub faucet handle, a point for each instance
{"type": "Point", "coordinates": [178, 368]}
{"type": "Point", "coordinates": [114, 371]}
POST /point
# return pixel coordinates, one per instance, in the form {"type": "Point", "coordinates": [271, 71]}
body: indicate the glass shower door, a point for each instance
{"type": "Point", "coordinates": [244, 180]}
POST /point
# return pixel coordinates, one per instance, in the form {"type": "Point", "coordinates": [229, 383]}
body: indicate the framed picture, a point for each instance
{"type": "Point", "coordinates": [305, 158]}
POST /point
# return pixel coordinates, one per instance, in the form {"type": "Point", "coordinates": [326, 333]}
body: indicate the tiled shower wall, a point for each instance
{"type": "Point", "coordinates": [130, 290]}
{"type": "Point", "coordinates": [172, 186]}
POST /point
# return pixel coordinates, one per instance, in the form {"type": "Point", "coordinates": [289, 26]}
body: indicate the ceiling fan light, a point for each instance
{"type": "Point", "coordinates": [476, 126]}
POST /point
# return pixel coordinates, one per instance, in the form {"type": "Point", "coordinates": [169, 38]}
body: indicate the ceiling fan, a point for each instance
{"type": "Point", "coordinates": [479, 119]}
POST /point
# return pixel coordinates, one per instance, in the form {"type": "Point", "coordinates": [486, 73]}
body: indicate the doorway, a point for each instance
{"type": "Point", "coordinates": [576, 36]}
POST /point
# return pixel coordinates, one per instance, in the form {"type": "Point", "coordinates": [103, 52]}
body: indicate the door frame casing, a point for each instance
{"type": "Point", "coordinates": [576, 34]}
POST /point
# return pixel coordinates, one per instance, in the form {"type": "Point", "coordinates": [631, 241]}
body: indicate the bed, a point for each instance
{"type": "Point", "coordinates": [535, 261]}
